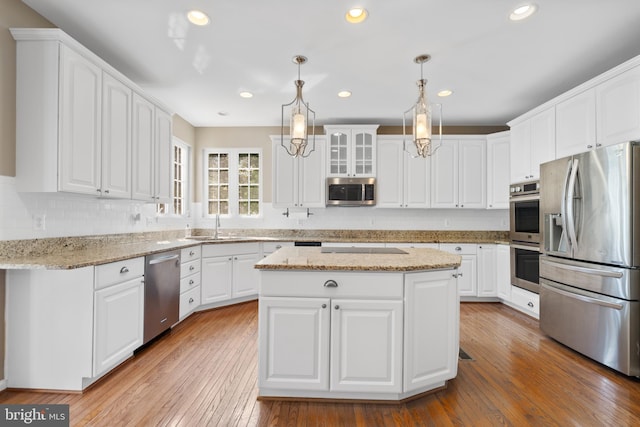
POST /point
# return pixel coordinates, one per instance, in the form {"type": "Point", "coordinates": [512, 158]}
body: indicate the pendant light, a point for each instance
{"type": "Point", "coordinates": [298, 113]}
{"type": "Point", "coordinates": [421, 117]}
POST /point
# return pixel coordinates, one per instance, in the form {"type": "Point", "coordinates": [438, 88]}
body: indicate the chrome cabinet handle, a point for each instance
{"type": "Point", "coordinates": [330, 284]}
{"type": "Point", "coordinates": [455, 275]}
{"type": "Point", "coordinates": [190, 300]}
{"type": "Point", "coordinates": [192, 253]}
{"type": "Point", "coordinates": [324, 305]}
{"type": "Point", "coordinates": [124, 270]}
{"type": "Point", "coordinates": [530, 304]}
{"type": "Point", "coordinates": [278, 246]}
{"type": "Point", "coordinates": [337, 307]}
{"type": "Point", "coordinates": [191, 282]}
{"type": "Point", "coordinates": [191, 267]}
{"type": "Point", "coordinates": [458, 249]}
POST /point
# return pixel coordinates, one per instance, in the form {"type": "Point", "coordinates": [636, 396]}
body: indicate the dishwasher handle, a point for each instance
{"type": "Point", "coordinates": [163, 259]}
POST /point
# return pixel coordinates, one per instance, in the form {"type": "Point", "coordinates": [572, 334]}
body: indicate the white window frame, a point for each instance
{"type": "Point", "coordinates": [233, 154]}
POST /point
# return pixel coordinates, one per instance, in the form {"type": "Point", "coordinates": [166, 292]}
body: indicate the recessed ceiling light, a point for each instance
{"type": "Point", "coordinates": [356, 15]}
{"type": "Point", "coordinates": [444, 93]}
{"type": "Point", "coordinates": [197, 17]}
{"type": "Point", "coordinates": [246, 94]}
{"type": "Point", "coordinates": [522, 12]}
{"type": "Point", "coordinates": [344, 94]}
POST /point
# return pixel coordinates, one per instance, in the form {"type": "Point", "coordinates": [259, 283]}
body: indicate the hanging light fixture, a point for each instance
{"type": "Point", "coordinates": [298, 120]}
{"type": "Point", "coordinates": [421, 116]}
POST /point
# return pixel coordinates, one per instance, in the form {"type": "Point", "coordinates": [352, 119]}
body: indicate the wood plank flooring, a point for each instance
{"type": "Point", "coordinates": [204, 374]}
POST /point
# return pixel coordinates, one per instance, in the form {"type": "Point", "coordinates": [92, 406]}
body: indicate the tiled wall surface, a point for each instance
{"type": "Point", "coordinates": [22, 216]}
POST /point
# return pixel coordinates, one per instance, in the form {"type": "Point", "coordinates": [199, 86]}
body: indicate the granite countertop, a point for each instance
{"type": "Point", "coordinates": [311, 258]}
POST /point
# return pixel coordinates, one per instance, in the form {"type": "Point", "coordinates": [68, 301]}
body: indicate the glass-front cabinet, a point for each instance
{"type": "Point", "coordinates": [351, 150]}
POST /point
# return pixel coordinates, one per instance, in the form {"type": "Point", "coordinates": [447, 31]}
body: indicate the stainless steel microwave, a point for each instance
{"type": "Point", "coordinates": [351, 191]}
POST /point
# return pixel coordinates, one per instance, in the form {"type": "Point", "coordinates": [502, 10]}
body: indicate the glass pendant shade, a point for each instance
{"type": "Point", "coordinates": [298, 115]}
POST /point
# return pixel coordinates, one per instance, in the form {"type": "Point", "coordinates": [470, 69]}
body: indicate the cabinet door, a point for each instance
{"type": "Point", "coordinates": [468, 281]}
{"type": "Point", "coordinates": [285, 178]}
{"type": "Point", "coordinates": [311, 177]}
{"type": "Point", "coordinates": [366, 346]}
{"type": "Point", "coordinates": [143, 178]}
{"type": "Point", "coordinates": [80, 118]}
{"type": "Point", "coordinates": [417, 181]}
{"type": "Point", "coordinates": [543, 140]}
{"type": "Point", "coordinates": [390, 179]}
{"type": "Point", "coordinates": [216, 279]}
{"type": "Point", "coordinates": [498, 171]}
{"type": "Point", "coordinates": [618, 108]}
{"type": "Point", "coordinates": [520, 149]}
{"type": "Point", "coordinates": [119, 315]}
{"type": "Point", "coordinates": [338, 151]}
{"type": "Point", "coordinates": [576, 124]}
{"type": "Point", "coordinates": [162, 157]}
{"type": "Point", "coordinates": [487, 271]}
{"type": "Point", "coordinates": [503, 272]}
{"type": "Point", "coordinates": [293, 343]}
{"type": "Point", "coordinates": [444, 176]}
{"type": "Point", "coordinates": [363, 153]}
{"type": "Point", "coordinates": [246, 279]}
{"type": "Point", "coordinates": [472, 163]}
{"type": "Point", "coordinates": [116, 138]}
{"type": "Point", "coordinates": [430, 329]}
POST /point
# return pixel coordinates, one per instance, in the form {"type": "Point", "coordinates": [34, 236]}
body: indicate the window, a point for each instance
{"type": "Point", "coordinates": [180, 180]}
{"type": "Point", "coordinates": [233, 182]}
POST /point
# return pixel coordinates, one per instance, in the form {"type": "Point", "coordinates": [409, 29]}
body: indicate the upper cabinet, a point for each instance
{"type": "Point", "coordinates": [458, 173]}
{"type": "Point", "coordinates": [351, 150]}
{"type": "Point", "coordinates": [532, 143]}
{"type": "Point", "coordinates": [498, 177]}
{"type": "Point", "coordinates": [403, 181]}
{"type": "Point", "coordinates": [76, 123]}
{"type": "Point", "coordinates": [618, 108]}
{"type": "Point", "coordinates": [576, 124]}
{"type": "Point", "coordinates": [298, 181]}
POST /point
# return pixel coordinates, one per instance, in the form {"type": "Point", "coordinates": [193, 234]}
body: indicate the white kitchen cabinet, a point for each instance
{"type": "Point", "coordinates": [618, 108]}
{"type": "Point", "coordinates": [227, 273]}
{"type": "Point", "coordinates": [116, 138]}
{"type": "Point", "coordinates": [468, 270]}
{"type": "Point", "coordinates": [351, 150]}
{"type": "Point", "coordinates": [190, 266]}
{"type": "Point", "coordinates": [525, 301]}
{"type": "Point", "coordinates": [503, 271]}
{"type": "Point", "coordinates": [533, 141]}
{"type": "Point", "coordinates": [498, 175]}
{"type": "Point", "coordinates": [576, 124]}
{"type": "Point", "coordinates": [402, 181]}
{"type": "Point", "coordinates": [431, 298]}
{"type": "Point", "coordinates": [75, 121]}
{"type": "Point", "coordinates": [458, 174]}
{"type": "Point", "coordinates": [299, 181]}
{"type": "Point", "coordinates": [151, 152]}
{"type": "Point", "coordinates": [487, 270]}
{"type": "Point", "coordinates": [270, 247]}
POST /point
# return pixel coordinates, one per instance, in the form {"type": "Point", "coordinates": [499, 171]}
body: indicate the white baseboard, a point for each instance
{"type": "Point", "coordinates": [3, 384]}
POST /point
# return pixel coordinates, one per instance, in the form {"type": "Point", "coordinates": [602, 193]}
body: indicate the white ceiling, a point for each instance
{"type": "Point", "coordinates": [498, 69]}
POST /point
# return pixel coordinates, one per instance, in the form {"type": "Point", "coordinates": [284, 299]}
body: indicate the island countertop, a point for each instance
{"type": "Point", "coordinates": [313, 258]}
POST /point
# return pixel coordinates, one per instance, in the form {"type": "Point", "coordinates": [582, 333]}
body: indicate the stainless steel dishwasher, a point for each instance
{"type": "Point", "coordinates": [161, 293]}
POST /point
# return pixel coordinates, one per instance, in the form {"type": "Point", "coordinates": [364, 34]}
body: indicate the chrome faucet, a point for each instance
{"type": "Point", "coordinates": [215, 236]}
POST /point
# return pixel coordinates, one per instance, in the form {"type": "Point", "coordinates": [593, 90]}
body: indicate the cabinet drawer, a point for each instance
{"type": "Point", "coordinates": [189, 301]}
{"type": "Point", "coordinates": [188, 254]}
{"type": "Point", "coordinates": [223, 249]}
{"type": "Point", "coordinates": [117, 272]}
{"type": "Point", "coordinates": [189, 268]}
{"type": "Point", "coordinates": [528, 301]}
{"type": "Point", "coordinates": [317, 284]}
{"type": "Point", "coordinates": [459, 248]}
{"type": "Point", "coordinates": [189, 282]}
{"type": "Point", "coordinates": [270, 247]}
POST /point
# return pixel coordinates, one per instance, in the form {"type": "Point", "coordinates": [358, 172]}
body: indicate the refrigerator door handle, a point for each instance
{"type": "Point", "coordinates": [571, 220]}
{"type": "Point", "coordinates": [583, 298]}
{"type": "Point", "coordinates": [563, 203]}
{"type": "Point", "coordinates": [586, 270]}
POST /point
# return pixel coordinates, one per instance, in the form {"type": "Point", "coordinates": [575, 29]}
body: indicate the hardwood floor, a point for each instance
{"type": "Point", "coordinates": [204, 374]}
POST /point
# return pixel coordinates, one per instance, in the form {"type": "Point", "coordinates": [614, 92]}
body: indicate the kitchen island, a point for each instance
{"type": "Point", "coordinates": [378, 324]}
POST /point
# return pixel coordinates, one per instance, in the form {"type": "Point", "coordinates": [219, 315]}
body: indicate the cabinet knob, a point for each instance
{"type": "Point", "coordinates": [278, 246]}
{"type": "Point", "coordinates": [106, 191]}
{"type": "Point", "coordinates": [235, 258]}
{"type": "Point", "coordinates": [337, 307]}
{"type": "Point", "coordinates": [192, 253]}
{"type": "Point", "coordinates": [324, 305]}
{"type": "Point", "coordinates": [462, 206]}
{"type": "Point", "coordinates": [589, 146]}
{"type": "Point", "coordinates": [458, 249]}
{"type": "Point", "coordinates": [191, 282]}
{"type": "Point", "coordinates": [191, 267]}
{"type": "Point", "coordinates": [598, 145]}
{"type": "Point", "coordinates": [530, 304]}
{"type": "Point", "coordinates": [230, 258]}
{"type": "Point", "coordinates": [459, 274]}
{"type": "Point", "coordinates": [455, 275]}
{"type": "Point", "coordinates": [330, 284]}
{"type": "Point", "coordinates": [124, 270]}
{"type": "Point", "coordinates": [190, 300]}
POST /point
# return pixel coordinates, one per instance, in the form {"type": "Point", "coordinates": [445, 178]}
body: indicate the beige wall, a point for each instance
{"type": "Point", "coordinates": [13, 13]}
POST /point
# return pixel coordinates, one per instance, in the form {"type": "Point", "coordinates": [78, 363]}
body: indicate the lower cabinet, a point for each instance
{"type": "Point", "coordinates": [503, 266]}
{"type": "Point", "coordinates": [487, 270]}
{"type": "Point", "coordinates": [228, 274]}
{"type": "Point", "coordinates": [189, 280]}
{"type": "Point", "coordinates": [373, 335]}
{"type": "Point", "coordinates": [468, 270]}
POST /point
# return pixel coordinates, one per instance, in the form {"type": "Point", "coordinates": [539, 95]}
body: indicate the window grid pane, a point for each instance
{"type": "Point", "coordinates": [249, 184]}
{"type": "Point", "coordinates": [218, 184]}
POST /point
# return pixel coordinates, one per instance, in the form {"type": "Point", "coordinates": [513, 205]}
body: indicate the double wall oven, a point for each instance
{"type": "Point", "coordinates": [524, 233]}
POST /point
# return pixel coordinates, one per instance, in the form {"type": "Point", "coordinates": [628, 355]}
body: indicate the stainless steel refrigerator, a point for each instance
{"type": "Point", "coordinates": [590, 262]}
